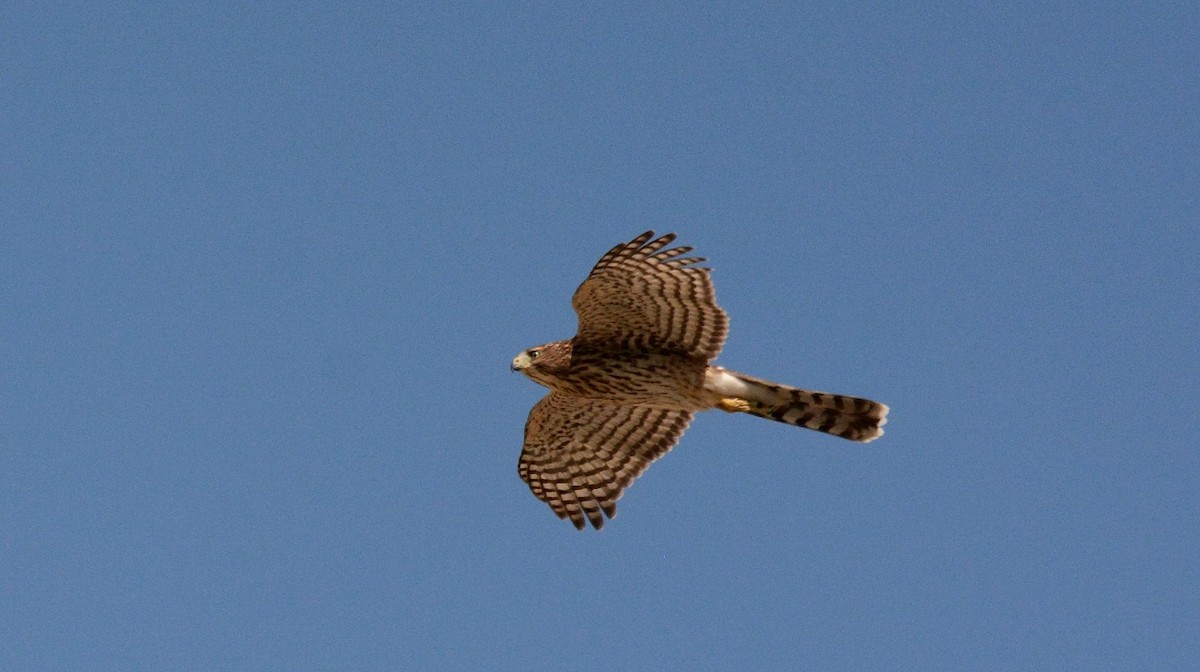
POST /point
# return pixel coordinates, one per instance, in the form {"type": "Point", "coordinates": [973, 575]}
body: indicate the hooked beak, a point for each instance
{"type": "Point", "coordinates": [519, 362]}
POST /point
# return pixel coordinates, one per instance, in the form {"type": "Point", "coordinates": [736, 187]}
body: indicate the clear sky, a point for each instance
{"type": "Point", "coordinates": [263, 268]}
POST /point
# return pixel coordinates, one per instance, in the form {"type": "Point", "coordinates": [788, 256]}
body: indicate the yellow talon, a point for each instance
{"type": "Point", "coordinates": [734, 405]}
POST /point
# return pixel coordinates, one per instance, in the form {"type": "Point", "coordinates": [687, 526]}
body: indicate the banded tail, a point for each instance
{"type": "Point", "coordinates": [848, 417]}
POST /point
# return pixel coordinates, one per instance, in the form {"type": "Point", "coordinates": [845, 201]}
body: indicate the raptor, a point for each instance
{"type": "Point", "coordinates": [625, 388]}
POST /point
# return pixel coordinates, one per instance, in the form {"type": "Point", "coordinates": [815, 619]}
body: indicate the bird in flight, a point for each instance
{"type": "Point", "coordinates": [625, 388]}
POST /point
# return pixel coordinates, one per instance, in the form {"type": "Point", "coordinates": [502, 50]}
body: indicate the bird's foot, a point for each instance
{"type": "Point", "coordinates": [734, 405]}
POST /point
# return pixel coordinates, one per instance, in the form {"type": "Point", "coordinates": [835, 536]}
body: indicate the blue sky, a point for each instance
{"type": "Point", "coordinates": [263, 269]}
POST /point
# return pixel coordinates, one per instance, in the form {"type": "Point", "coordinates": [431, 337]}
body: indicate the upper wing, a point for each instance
{"type": "Point", "coordinates": [641, 296]}
{"type": "Point", "coordinates": [581, 454]}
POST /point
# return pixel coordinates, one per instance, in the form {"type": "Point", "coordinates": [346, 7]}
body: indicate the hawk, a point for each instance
{"type": "Point", "coordinates": [625, 388]}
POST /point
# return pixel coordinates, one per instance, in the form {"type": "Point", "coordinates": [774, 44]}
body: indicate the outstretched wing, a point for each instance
{"type": "Point", "coordinates": [581, 454]}
{"type": "Point", "coordinates": [642, 296]}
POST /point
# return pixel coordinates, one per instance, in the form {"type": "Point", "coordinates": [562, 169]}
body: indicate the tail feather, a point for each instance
{"type": "Point", "coordinates": [851, 418]}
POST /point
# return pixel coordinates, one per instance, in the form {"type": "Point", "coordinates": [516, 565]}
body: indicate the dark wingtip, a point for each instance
{"type": "Point", "coordinates": [641, 240]}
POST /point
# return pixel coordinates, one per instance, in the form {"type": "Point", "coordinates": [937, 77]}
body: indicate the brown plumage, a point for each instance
{"type": "Point", "coordinates": [625, 388]}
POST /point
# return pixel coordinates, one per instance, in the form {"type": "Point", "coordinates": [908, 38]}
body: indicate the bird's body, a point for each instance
{"type": "Point", "coordinates": [655, 379]}
{"type": "Point", "coordinates": [624, 389]}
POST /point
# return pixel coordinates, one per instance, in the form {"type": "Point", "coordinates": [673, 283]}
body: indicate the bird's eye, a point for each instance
{"type": "Point", "coordinates": [533, 354]}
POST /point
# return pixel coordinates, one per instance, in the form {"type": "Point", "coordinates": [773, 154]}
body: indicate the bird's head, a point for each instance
{"type": "Point", "coordinates": [543, 363]}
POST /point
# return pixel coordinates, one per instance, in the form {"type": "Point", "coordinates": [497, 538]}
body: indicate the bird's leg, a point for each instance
{"type": "Point", "coordinates": [734, 405]}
